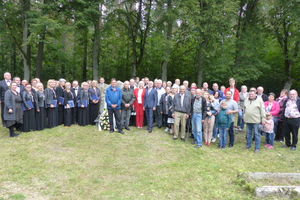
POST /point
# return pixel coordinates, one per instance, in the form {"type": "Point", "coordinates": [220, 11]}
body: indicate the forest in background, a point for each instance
{"type": "Point", "coordinates": [255, 41]}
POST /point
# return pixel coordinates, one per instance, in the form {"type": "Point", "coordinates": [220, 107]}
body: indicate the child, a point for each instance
{"type": "Point", "coordinates": [268, 127]}
{"type": "Point", "coordinates": [223, 124]}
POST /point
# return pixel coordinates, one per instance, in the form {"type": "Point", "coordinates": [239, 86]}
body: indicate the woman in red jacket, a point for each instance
{"type": "Point", "coordinates": [139, 94]}
{"type": "Point", "coordinates": [232, 87]}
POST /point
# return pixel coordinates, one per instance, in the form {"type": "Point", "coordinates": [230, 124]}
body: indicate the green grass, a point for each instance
{"type": "Point", "coordinates": [83, 163]}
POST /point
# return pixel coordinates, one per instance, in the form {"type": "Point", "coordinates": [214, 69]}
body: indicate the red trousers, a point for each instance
{"type": "Point", "coordinates": [139, 115]}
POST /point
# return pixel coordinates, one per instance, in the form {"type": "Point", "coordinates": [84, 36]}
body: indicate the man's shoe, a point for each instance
{"type": "Point", "coordinates": [175, 138]}
{"type": "Point", "coordinates": [122, 132]}
{"type": "Point", "coordinates": [293, 148]}
{"type": "Point", "coordinates": [127, 128]}
{"type": "Point", "coordinates": [150, 131]}
{"type": "Point", "coordinates": [213, 140]}
{"type": "Point", "coordinates": [256, 151]}
{"type": "Point", "coordinates": [111, 131]}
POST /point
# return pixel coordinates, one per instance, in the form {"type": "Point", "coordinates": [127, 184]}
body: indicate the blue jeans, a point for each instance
{"type": "Point", "coordinates": [223, 136]}
{"type": "Point", "coordinates": [241, 122]}
{"type": "Point", "coordinates": [253, 129]}
{"type": "Point", "coordinates": [149, 115]}
{"type": "Point", "coordinates": [197, 128]}
{"type": "Point", "coordinates": [270, 138]}
{"type": "Point", "coordinates": [231, 134]}
{"type": "Point", "coordinates": [216, 130]}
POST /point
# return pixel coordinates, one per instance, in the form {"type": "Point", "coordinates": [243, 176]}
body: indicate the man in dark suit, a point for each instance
{"type": "Point", "coordinates": [20, 87]}
{"type": "Point", "coordinates": [260, 93]}
{"type": "Point", "coordinates": [75, 91]}
{"type": "Point", "coordinates": [150, 104]}
{"type": "Point", "coordinates": [4, 86]}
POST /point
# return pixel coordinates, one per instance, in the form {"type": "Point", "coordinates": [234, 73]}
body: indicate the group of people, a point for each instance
{"type": "Point", "coordinates": [179, 108]}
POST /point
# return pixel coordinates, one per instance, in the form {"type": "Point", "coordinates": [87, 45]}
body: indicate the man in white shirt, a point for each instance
{"type": "Point", "coordinates": [158, 113]}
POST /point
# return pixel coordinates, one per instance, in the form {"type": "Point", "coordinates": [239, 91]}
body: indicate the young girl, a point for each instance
{"type": "Point", "coordinates": [268, 127]}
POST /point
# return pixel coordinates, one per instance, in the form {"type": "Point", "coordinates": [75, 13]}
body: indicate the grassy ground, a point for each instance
{"type": "Point", "coordinates": [82, 163]}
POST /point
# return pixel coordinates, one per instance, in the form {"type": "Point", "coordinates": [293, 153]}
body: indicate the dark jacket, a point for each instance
{"type": "Point", "coordinates": [26, 97]}
{"type": "Point", "coordinates": [60, 94]}
{"type": "Point", "coordinates": [75, 96]}
{"type": "Point", "coordinates": [203, 106]}
{"type": "Point", "coordinates": [9, 103]}
{"type": "Point", "coordinates": [127, 97]}
{"type": "Point", "coordinates": [165, 103]}
{"type": "Point", "coordinates": [69, 96]}
{"type": "Point", "coordinates": [210, 108]}
{"type": "Point", "coordinates": [40, 99]}
{"type": "Point", "coordinates": [50, 95]}
{"type": "Point", "coordinates": [151, 98]}
{"type": "Point", "coordinates": [3, 88]}
{"type": "Point", "coordinates": [223, 119]}
{"type": "Point", "coordinates": [92, 92]}
{"type": "Point", "coordinates": [83, 95]}
{"type": "Point", "coordinates": [264, 97]}
{"type": "Point", "coordinates": [186, 108]}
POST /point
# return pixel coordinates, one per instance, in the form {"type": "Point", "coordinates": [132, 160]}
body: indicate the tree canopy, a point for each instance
{"type": "Point", "coordinates": [255, 41]}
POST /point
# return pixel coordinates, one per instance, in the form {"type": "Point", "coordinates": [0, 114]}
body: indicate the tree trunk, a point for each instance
{"type": "Point", "coordinates": [199, 66]}
{"type": "Point", "coordinates": [40, 53]}
{"type": "Point", "coordinates": [85, 54]}
{"type": "Point", "coordinates": [26, 47]}
{"type": "Point", "coordinates": [164, 73]}
{"type": "Point", "coordinates": [96, 45]}
{"type": "Point", "coordinates": [14, 59]}
{"type": "Point", "coordinates": [40, 56]}
{"type": "Point", "coordinates": [245, 19]}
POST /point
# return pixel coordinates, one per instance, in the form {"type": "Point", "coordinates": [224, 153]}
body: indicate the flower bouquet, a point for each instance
{"type": "Point", "coordinates": [102, 121]}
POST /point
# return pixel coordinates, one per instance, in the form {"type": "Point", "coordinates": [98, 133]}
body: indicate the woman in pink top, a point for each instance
{"type": "Point", "coordinates": [272, 107]}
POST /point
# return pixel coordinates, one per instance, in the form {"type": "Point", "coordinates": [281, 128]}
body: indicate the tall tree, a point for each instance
{"type": "Point", "coordinates": [26, 48]}
{"type": "Point", "coordinates": [284, 22]}
{"type": "Point", "coordinates": [168, 34]}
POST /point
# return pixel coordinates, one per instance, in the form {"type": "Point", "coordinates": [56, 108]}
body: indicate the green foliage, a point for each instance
{"type": "Point", "coordinates": [207, 35]}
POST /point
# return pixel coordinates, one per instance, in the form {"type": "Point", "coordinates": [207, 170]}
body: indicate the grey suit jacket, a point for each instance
{"type": "Point", "coordinates": [9, 103]}
{"type": "Point", "coordinates": [186, 108]}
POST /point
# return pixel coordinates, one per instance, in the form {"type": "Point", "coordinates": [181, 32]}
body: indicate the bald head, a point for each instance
{"type": "Point", "coordinates": [293, 94]}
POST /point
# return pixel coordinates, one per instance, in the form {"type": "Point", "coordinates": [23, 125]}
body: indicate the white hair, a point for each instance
{"type": "Point", "coordinates": [141, 83]}
{"type": "Point", "coordinates": [243, 86]}
{"type": "Point", "coordinates": [182, 87]}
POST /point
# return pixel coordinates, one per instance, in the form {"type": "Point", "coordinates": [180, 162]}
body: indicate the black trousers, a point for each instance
{"type": "Point", "coordinates": [158, 116]}
{"type": "Point", "coordinates": [279, 134]}
{"type": "Point", "coordinates": [165, 120]}
{"type": "Point", "coordinates": [117, 114]}
{"type": "Point", "coordinates": [291, 126]}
